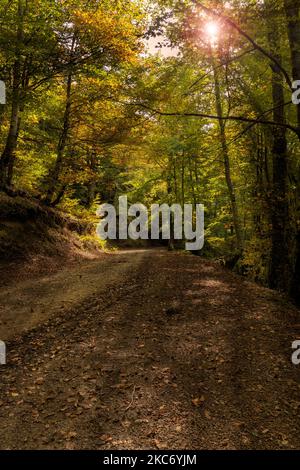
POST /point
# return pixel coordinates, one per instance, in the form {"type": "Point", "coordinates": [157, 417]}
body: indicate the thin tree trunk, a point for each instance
{"type": "Point", "coordinates": [175, 179]}
{"type": "Point", "coordinates": [91, 187]}
{"type": "Point", "coordinates": [182, 181]}
{"type": "Point", "coordinates": [59, 196]}
{"type": "Point", "coordinates": [229, 182]}
{"type": "Point", "coordinates": [171, 245]}
{"type": "Point", "coordinates": [54, 175]}
{"type": "Point", "coordinates": [192, 182]}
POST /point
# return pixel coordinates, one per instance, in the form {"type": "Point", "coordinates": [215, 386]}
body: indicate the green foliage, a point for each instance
{"type": "Point", "coordinates": [98, 117]}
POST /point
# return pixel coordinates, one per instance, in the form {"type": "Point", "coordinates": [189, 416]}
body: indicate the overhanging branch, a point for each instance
{"type": "Point", "coordinates": [223, 118]}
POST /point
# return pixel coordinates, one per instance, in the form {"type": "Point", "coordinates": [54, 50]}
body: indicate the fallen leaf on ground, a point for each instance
{"type": "Point", "coordinates": [198, 401]}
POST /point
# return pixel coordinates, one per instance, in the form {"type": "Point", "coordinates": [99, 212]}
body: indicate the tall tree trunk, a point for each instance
{"type": "Point", "coordinates": [279, 269]}
{"type": "Point", "coordinates": [259, 183]}
{"type": "Point", "coordinates": [54, 175]}
{"type": "Point", "coordinates": [279, 266]}
{"type": "Point", "coordinates": [171, 242]}
{"type": "Point", "coordinates": [292, 9]}
{"type": "Point", "coordinates": [295, 286]}
{"type": "Point", "coordinates": [227, 167]}
{"type": "Point", "coordinates": [7, 158]}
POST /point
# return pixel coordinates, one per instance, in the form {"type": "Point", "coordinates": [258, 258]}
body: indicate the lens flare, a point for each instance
{"type": "Point", "coordinates": [212, 30]}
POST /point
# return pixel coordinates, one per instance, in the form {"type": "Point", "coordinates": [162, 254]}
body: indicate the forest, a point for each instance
{"type": "Point", "coordinates": [91, 114]}
{"type": "Point", "coordinates": [166, 102]}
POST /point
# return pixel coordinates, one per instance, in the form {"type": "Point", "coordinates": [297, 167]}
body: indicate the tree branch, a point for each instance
{"type": "Point", "coordinates": [223, 118]}
{"type": "Point", "coordinates": [232, 59]}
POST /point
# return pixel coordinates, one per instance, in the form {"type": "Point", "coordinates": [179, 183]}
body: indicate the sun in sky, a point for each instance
{"type": "Point", "coordinates": [212, 30]}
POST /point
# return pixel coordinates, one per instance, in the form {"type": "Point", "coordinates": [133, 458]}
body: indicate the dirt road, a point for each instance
{"type": "Point", "coordinates": [147, 350]}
